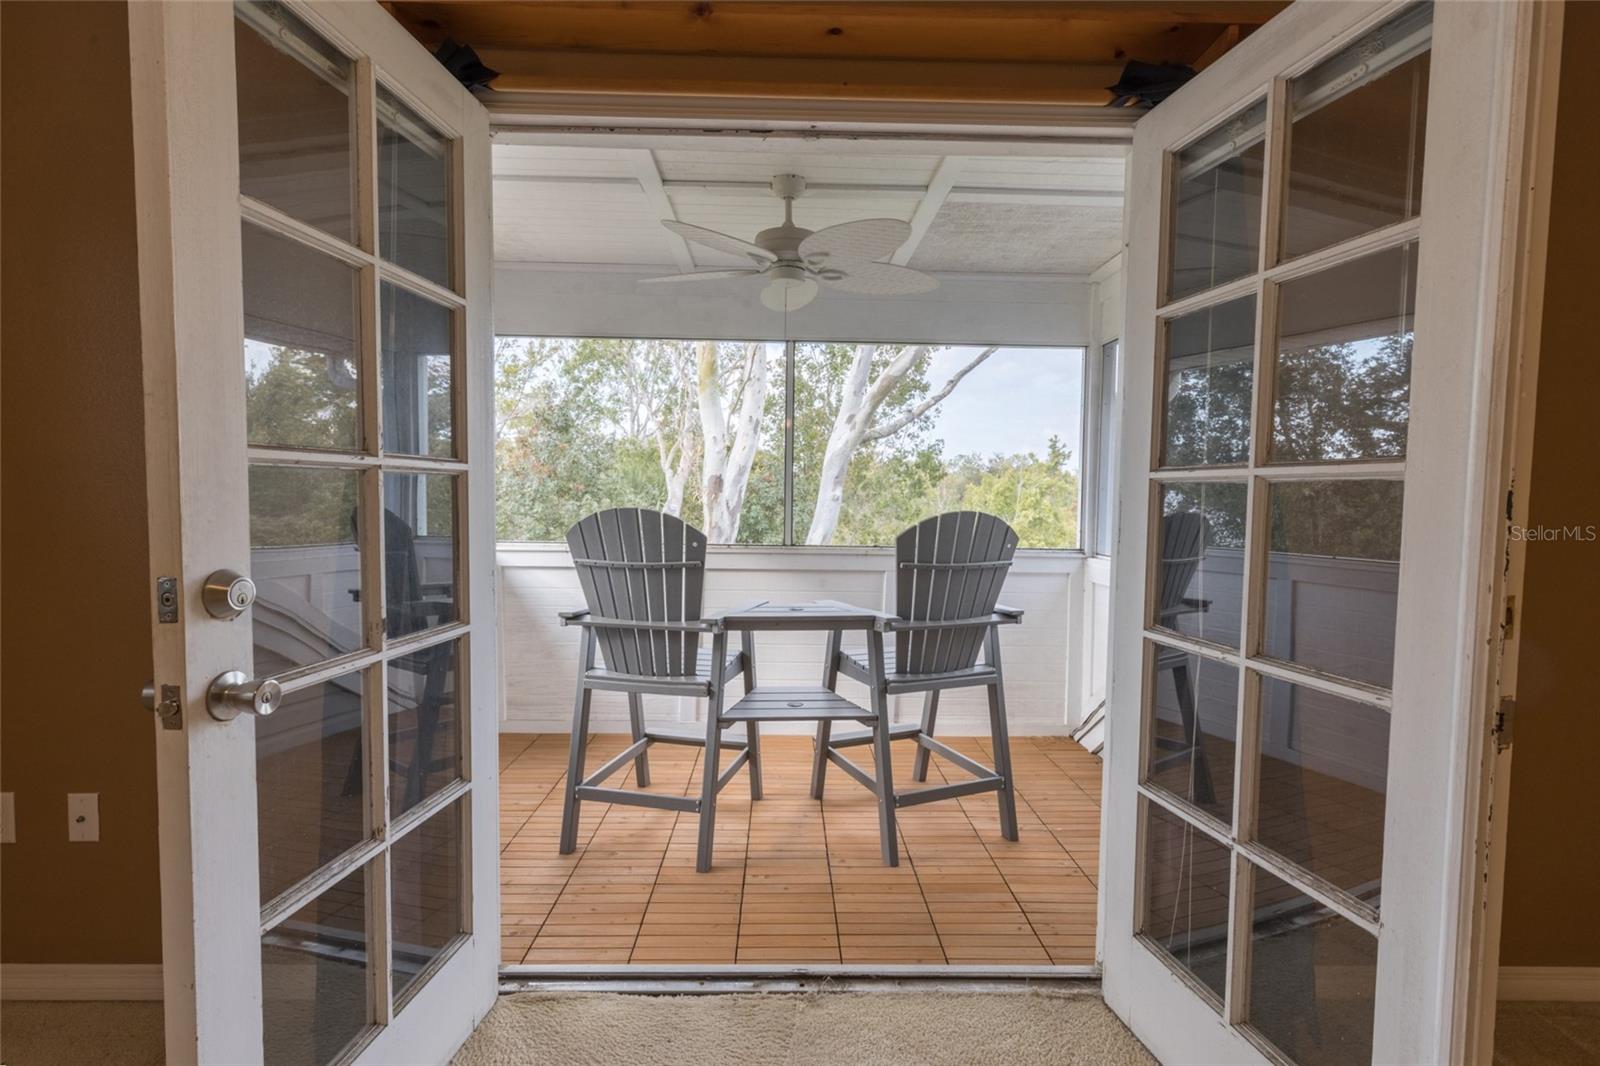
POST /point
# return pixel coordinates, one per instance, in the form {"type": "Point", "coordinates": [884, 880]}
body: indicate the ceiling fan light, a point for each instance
{"type": "Point", "coordinates": [788, 293]}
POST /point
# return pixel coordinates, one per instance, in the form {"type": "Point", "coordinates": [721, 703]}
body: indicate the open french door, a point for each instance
{"type": "Point", "coordinates": [1303, 620]}
{"type": "Point", "coordinates": [314, 254]}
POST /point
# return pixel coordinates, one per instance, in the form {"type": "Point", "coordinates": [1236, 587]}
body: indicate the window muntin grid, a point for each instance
{"type": "Point", "coordinates": [1353, 904]}
{"type": "Point", "coordinates": [376, 648]}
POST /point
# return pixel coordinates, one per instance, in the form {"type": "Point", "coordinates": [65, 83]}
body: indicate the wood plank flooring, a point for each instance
{"type": "Point", "coordinates": [795, 880]}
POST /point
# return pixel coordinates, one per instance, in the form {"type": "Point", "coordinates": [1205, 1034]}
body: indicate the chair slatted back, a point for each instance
{"type": "Point", "coordinates": [643, 566]}
{"type": "Point", "coordinates": [1182, 535]}
{"type": "Point", "coordinates": [949, 567]}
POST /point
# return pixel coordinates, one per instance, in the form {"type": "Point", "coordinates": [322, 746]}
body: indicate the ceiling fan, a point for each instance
{"type": "Point", "coordinates": [795, 259]}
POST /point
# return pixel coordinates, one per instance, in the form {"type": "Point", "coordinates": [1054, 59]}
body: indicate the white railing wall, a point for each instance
{"type": "Point", "coordinates": [538, 656]}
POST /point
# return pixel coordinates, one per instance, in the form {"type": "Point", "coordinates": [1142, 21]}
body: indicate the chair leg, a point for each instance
{"type": "Point", "coordinates": [1203, 792]}
{"type": "Point", "coordinates": [578, 746]}
{"type": "Point", "coordinates": [888, 832]}
{"type": "Point", "coordinates": [575, 755]}
{"type": "Point", "coordinates": [709, 763]}
{"type": "Point", "coordinates": [747, 644]}
{"type": "Point", "coordinates": [641, 763]}
{"type": "Point", "coordinates": [930, 715]}
{"type": "Point", "coordinates": [1000, 741]}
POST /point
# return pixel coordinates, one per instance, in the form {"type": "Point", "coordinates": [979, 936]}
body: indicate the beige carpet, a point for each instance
{"type": "Point", "coordinates": [850, 1029]}
{"type": "Point", "coordinates": [1546, 1034]}
{"type": "Point", "coordinates": [547, 1029]}
{"type": "Point", "coordinates": [80, 1034]}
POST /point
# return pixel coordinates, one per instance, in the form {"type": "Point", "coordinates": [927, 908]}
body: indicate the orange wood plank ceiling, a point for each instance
{"type": "Point", "coordinates": [1044, 52]}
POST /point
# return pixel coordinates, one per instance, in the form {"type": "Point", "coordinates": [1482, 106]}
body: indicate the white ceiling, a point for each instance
{"type": "Point", "coordinates": [983, 214]}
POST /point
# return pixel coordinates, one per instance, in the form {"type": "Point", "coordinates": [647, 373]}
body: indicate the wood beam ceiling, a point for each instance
{"type": "Point", "coordinates": [1048, 52]}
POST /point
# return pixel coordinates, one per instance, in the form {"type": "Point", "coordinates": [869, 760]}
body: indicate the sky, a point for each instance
{"type": "Point", "coordinates": [1012, 403]}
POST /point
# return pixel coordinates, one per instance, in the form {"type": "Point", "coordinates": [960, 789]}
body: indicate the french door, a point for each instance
{"type": "Point", "coordinates": [313, 194]}
{"type": "Point", "coordinates": [1301, 638]}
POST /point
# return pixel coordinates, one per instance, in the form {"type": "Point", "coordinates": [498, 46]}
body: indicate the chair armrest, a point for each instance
{"type": "Point", "coordinates": [1199, 605]}
{"type": "Point", "coordinates": [707, 625]}
{"type": "Point", "coordinates": [1009, 612]}
{"type": "Point", "coordinates": [568, 617]}
{"type": "Point", "coordinates": [902, 625]}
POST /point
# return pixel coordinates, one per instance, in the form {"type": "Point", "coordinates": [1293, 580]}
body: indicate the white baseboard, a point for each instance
{"type": "Point", "coordinates": [90, 981]}
{"type": "Point", "coordinates": [1563, 984]}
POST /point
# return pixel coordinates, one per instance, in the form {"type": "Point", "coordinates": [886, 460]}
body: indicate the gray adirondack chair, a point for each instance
{"type": "Point", "coordinates": [1182, 544]}
{"type": "Point", "coordinates": [949, 571]}
{"type": "Point", "coordinates": [642, 574]}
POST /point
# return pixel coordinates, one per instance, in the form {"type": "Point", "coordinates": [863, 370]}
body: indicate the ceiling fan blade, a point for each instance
{"type": "Point", "coordinates": [880, 279]}
{"type": "Point", "coordinates": [701, 275]}
{"type": "Point", "coordinates": [720, 241]}
{"type": "Point", "coordinates": [862, 241]}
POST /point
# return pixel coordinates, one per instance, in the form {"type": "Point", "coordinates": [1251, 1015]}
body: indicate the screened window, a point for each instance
{"type": "Point", "coordinates": [1105, 448]}
{"type": "Point", "coordinates": [873, 438]}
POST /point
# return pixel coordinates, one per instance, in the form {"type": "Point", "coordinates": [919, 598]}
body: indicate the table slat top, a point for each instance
{"type": "Point", "coordinates": [811, 614]}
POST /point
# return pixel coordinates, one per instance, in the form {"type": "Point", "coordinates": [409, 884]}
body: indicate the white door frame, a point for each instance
{"type": "Point", "coordinates": [1452, 527]}
{"type": "Point", "coordinates": [1532, 164]}
{"type": "Point", "coordinates": [189, 211]}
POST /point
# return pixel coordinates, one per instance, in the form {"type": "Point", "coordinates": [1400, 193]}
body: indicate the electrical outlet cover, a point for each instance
{"type": "Point", "coordinates": [83, 816]}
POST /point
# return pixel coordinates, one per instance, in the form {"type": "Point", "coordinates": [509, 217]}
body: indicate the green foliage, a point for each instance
{"type": "Point", "coordinates": [299, 399]}
{"type": "Point", "coordinates": [1037, 496]}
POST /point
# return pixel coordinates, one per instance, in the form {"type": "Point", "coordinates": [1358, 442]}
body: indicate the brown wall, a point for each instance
{"type": "Point", "coordinates": [1553, 856]}
{"type": "Point", "coordinates": [74, 626]}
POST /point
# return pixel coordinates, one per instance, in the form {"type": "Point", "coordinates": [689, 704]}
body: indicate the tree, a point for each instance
{"type": "Point", "coordinates": [727, 456]}
{"type": "Point", "coordinates": [1037, 497]}
{"type": "Point", "coordinates": [856, 420]}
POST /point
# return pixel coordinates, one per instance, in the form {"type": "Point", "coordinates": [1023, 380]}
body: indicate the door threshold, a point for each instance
{"type": "Point", "coordinates": [678, 980]}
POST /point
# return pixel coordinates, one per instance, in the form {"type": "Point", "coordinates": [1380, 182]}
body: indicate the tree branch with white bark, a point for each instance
{"type": "Point", "coordinates": [725, 464]}
{"type": "Point", "coordinates": [855, 422]}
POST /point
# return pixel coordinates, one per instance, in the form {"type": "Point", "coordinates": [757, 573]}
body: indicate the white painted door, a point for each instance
{"type": "Point", "coordinates": [1301, 614]}
{"type": "Point", "coordinates": [313, 195]}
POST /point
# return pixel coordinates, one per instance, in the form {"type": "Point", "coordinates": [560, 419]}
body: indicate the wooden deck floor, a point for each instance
{"type": "Point", "coordinates": [797, 881]}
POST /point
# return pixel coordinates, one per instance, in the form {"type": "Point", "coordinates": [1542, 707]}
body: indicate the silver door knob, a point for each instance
{"type": "Point", "coordinates": [227, 594]}
{"type": "Point", "coordinates": [234, 693]}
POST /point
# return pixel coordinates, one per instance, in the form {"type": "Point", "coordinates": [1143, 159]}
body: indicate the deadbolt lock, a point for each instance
{"type": "Point", "coordinates": [227, 594]}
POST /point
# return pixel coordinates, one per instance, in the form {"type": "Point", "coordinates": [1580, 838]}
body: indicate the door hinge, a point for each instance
{"type": "Point", "coordinates": [166, 600]}
{"type": "Point", "coordinates": [1504, 720]}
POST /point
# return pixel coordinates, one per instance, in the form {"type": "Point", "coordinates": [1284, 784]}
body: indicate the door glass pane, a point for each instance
{"type": "Point", "coordinates": [313, 977]}
{"type": "Point", "coordinates": [304, 562]}
{"type": "Point", "coordinates": [418, 396]}
{"type": "Point", "coordinates": [294, 119]}
{"type": "Point", "coordinates": [424, 724]}
{"type": "Point", "coordinates": [413, 191]}
{"type": "Point", "coordinates": [1312, 977]}
{"type": "Point", "coordinates": [1200, 576]}
{"type": "Point", "coordinates": [1332, 575]}
{"type": "Point", "coordinates": [1216, 204]}
{"type": "Point", "coordinates": [309, 775]}
{"type": "Point", "coordinates": [1105, 450]}
{"type": "Point", "coordinates": [1343, 369]}
{"type": "Point", "coordinates": [300, 362]}
{"type": "Point", "coordinates": [1194, 703]}
{"type": "Point", "coordinates": [1205, 419]}
{"type": "Point", "coordinates": [1323, 763]}
{"type": "Point", "coordinates": [419, 538]}
{"type": "Point", "coordinates": [425, 887]}
{"type": "Point", "coordinates": [1358, 121]}
{"type": "Point", "coordinates": [1185, 874]}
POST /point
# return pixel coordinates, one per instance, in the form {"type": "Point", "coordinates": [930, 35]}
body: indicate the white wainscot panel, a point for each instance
{"type": "Point", "coordinates": [539, 656]}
